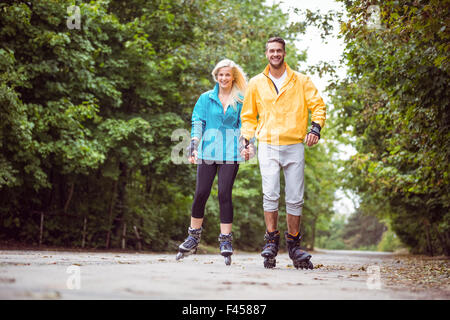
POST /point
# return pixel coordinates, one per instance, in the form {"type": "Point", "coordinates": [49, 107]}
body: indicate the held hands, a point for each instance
{"type": "Point", "coordinates": [246, 149]}
{"type": "Point", "coordinates": [248, 152]}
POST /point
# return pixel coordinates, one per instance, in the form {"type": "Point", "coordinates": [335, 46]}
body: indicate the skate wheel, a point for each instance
{"type": "Point", "coordinates": [304, 265]}
{"type": "Point", "coordinates": [179, 256]}
{"type": "Point", "coordinates": [228, 260]}
{"type": "Point", "coordinates": [269, 263]}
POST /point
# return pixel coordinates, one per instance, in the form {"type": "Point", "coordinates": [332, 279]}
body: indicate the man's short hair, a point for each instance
{"type": "Point", "coordinates": [276, 39]}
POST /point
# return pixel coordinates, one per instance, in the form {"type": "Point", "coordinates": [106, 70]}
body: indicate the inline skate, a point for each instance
{"type": "Point", "coordinates": [189, 246]}
{"type": "Point", "coordinates": [226, 250]}
{"type": "Point", "coordinates": [299, 257]}
{"type": "Point", "coordinates": [270, 249]}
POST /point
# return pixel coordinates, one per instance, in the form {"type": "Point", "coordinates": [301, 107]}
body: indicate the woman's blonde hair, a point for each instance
{"type": "Point", "coordinates": [239, 82]}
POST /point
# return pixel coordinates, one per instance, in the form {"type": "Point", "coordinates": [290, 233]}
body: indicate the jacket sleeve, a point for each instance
{"type": "Point", "coordinates": [315, 103]}
{"type": "Point", "coordinates": [198, 119]}
{"type": "Point", "coordinates": [249, 113]}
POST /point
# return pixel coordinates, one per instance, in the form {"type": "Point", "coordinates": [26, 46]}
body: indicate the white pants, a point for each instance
{"type": "Point", "coordinates": [292, 159]}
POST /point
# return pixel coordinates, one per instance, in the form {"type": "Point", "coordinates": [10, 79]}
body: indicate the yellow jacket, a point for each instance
{"type": "Point", "coordinates": [280, 119]}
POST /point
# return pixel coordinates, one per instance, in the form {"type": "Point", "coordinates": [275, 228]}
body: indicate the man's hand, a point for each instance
{"type": "Point", "coordinates": [249, 152]}
{"type": "Point", "coordinates": [311, 139]}
{"type": "Point", "coordinates": [313, 136]}
{"type": "Point", "coordinates": [247, 149]}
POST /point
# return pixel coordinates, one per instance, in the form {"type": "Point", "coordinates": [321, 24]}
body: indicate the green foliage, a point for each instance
{"type": "Point", "coordinates": [395, 103]}
{"type": "Point", "coordinates": [330, 235]}
{"type": "Point", "coordinates": [361, 231]}
{"type": "Point", "coordinates": [320, 186]}
{"type": "Point", "coordinates": [88, 115]}
{"type": "Point", "coordinates": [389, 242]}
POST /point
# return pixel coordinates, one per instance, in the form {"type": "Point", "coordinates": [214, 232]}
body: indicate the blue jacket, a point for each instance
{"type": "Point", "coordinates": [218, 132]}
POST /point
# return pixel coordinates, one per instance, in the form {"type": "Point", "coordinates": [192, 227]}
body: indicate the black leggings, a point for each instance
{"type": "Point", "coordinates": [205, 178]}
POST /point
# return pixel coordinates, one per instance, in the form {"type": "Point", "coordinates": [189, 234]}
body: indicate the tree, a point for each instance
{"type": "Point", "coordinates": [396, 104]}
{"type": "Point", "coordinates": [88, 116]}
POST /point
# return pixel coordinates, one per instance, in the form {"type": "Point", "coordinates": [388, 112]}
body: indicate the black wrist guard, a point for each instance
{"type": "Point", "coordinates": [315, 129]}
{"type": "Point", "coordinates": [193, 146]}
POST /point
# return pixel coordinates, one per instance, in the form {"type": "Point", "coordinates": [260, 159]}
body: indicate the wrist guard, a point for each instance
{"type": "Point", "coordinates": [315, 129]}
{"type": "Point", "coordinates": [193, 146]}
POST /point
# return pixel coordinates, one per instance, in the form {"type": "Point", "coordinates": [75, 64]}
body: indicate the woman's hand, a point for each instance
{"type": "Point", "coordinates": [248, 152]}
{"type": "Point", "coordinates": [192, 150]}
{"type": "Point", "coordinates": [193, 159]}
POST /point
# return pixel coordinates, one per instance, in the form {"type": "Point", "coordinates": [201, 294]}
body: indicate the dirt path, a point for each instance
{"type": "Point", "coordinates": [337, 275]}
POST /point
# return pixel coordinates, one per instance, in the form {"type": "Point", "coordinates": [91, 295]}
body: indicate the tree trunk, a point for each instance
{"type": "Point", "coordinates": [41, 229]}
{"type": "Point", "coordinates": [119, 221]}
{"type": "Point", "coordinates": [444, 244]}
{"type": "Point", "coordinates": [111, 207]}
{"type": "Point", "coordinates": [69, 198]}
{"type": "Point", "coordinates": [428, 237]}
{"type": "Point", "coordinates": [139, 243]}
{"type": "Point", "coordinates": [313, 235]}
{"type": "Point", "coordinates": [124, 236]}
{"type": "Point", "coordinates": [83, 240]}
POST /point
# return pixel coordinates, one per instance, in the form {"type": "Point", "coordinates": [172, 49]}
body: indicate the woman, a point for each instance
{"type": "Point", "coordinates": [215, 148]}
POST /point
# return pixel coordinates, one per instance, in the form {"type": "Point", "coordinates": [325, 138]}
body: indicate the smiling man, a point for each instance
{"type": "Point", "coordinates": [276, 110]}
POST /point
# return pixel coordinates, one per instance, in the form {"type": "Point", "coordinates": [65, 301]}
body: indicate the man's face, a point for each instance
{"type": "Point", "coordinates": [275, 54]}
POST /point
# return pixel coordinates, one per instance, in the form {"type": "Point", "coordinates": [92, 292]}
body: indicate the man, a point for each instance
{"type": "Point", "coordinates": [275, 110]}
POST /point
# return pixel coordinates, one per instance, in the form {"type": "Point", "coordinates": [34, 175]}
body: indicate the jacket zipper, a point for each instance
{"type": "Point", "coordinates": [272, 82]}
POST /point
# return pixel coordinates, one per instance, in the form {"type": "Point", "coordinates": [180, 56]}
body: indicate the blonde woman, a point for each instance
{"type": "Point", "coordinates": [215, 148]}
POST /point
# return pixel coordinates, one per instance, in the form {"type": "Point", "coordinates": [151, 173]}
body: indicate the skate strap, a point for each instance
{"type": "Point", "coordinates": [296, 238]}
{"type": "Point", "coordinates": [272, 237]}
{"type": "Point", "coordinates": [225, 237]}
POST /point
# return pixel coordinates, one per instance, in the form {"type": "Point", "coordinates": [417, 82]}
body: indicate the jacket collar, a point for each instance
{"type": "Point", "coordinates": [214, 94]}
{"type": "Point", "coordinates": [289, 71]}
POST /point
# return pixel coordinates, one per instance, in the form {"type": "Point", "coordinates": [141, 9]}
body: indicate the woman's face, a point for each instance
{"type": "Point", "coordinates": [225, 77]}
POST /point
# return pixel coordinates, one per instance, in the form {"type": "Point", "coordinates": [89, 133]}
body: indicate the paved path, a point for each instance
{"type": "Point", "coordinates": [31, 274]}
